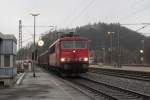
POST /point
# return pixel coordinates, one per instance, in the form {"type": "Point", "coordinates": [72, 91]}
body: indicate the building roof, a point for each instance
{"type": "Point", "coordinates": [8, 36]}
{"type": "Point", "coordinates": [1, 36]}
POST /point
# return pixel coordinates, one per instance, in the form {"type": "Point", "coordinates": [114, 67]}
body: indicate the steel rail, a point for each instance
{"type": "Point", "coordinates": [114, 91]}
{"type": "Point", "coordinates": [122, 74]}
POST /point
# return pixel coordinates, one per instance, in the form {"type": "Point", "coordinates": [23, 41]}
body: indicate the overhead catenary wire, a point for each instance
{"type": "Point", "coordinates": [71, 14]}
{"type": "Point", "coordinates": [30, 33]}
{"type": "Point", "coordinates": [135, 12]}
{"type": "Point", "coordinates": [142, 27]}
{"type": "Point", "coordinates": [132, 14]}
{"type": "Point", "coordinates": [30, 38]}
{"type": "Point", "coordinates": [122, 10]}
{"type": "Point", "coordinates": [39, 26]}
{"type": "Point", "coordinates": [126, 24]}
{"type": "Point", "coordinates": [135, 24]}
{"type": "Point", "coordinates": [81, 12]}
{"type": "Point", "coordinates": [26, 40]}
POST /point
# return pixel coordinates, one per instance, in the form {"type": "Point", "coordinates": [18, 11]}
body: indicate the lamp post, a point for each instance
{"type": "Point", "coordinates": [142, 51]}
{"type": "Point", "coordinates": [111, 45]}
{"type": "Point", "coordinates": [118, 46]}
{"type": "Point", "coordinates": [141, 57]}
{"type": "Point", "coordinates": [34, 47]}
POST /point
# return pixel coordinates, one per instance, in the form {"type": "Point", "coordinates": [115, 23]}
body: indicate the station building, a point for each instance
{"type": "Point", "coordinates": [8, 49]}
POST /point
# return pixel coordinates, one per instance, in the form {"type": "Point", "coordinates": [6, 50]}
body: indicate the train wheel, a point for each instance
{"type": "Point", "coordinates": [63, 75]}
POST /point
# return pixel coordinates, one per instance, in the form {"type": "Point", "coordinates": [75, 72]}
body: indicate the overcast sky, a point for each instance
{"type": "Point", "coordinates": [71, 13]}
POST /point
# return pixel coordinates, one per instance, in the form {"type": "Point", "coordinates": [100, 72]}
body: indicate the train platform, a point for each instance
{"type": "Point", "coordinates": [44, 86]}
{"type": "Point", "coordinates": [126, 68]}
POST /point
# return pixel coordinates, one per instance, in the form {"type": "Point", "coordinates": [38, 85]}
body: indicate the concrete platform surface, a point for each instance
{"type": "Point", "coordinates": [44, 87]}
{"type": "Point", "coordinates": [130, 68]}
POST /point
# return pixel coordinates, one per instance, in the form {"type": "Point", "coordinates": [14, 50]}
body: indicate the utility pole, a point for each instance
{"type": "Point", "coordinates": [118, 46]}
{"type": "Point", "coordinates": [20, 34]}
{"type": "Point", "coordinates": [20, 42]}
{"type": "Point", "coordinates": [111, 35]}
{"type": "Point", "coordinates": [104, 55]}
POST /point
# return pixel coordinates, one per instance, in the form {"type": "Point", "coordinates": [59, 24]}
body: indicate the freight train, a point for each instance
{"type": "Point", "coordinates": [68, 55]}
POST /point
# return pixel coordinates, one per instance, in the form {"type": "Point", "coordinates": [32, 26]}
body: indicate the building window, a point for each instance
{"type": "Point", "coordinates": [7, 61]}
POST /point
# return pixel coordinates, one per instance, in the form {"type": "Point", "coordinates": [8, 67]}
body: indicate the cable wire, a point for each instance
{"type": "Point", "coordinates": [135, 12]}
{"type": "Point", "coordinates": [72, 13]}
{"type": "Point", "coordinates": [142, 27]}
{"type": "Point", "coordinates": [82, 11]}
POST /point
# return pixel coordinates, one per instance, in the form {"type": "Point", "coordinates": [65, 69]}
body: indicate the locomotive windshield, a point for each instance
{"type": "Point", "coordinates": [74, 44]}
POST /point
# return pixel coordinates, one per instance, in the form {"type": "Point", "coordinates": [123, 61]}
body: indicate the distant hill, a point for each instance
{"type": "Point", "coordinates": [98, 34]}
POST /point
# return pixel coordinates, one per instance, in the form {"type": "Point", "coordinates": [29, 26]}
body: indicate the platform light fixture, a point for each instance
{"type": "Point", "coordinates": [141, 51]}
{"type": "Point", "coordinates": [40, 43]}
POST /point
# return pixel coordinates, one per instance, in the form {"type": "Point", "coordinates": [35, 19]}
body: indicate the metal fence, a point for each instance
{"type": "Point", "coordinates": [8, 72]}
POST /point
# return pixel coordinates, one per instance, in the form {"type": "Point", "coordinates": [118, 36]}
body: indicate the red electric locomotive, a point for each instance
{"type": "Point", "coordinates": [69, 54]}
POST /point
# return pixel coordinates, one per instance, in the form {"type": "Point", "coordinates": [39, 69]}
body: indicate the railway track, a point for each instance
{"type": "Point", "coordinates": [102, 90]}
{"type": "Point", "coordinates": [108, 91]}
{"type": "Point", "coordinates": [81, 89]}
{"type": "Point", "coordinates": [123, 74]}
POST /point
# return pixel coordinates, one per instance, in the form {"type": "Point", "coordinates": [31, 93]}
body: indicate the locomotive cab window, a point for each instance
{"type": "Point", "coordinates": [74, 44]}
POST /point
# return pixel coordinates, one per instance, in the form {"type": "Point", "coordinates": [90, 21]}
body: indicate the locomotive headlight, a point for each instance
{"type": "Point", "coordinates": [62, 59]}
{"type": "Point", "coordinates": [85, 59]}
{"type": "Point", "coordinates": [74, 51]}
